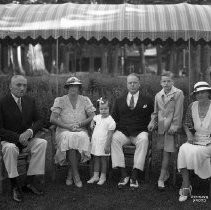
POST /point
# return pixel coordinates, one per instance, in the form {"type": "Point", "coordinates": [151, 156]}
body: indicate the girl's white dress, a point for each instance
{"type": "Point", "coordinates": [100, 134]}
{"type": "Point", "coordinates": [65, 139]}
{"type": "Point", "coordinates": [196, 157]}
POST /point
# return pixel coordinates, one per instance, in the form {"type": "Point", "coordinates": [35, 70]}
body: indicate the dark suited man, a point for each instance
{"type": "Point", "coordinates": [132, 114]}
{"type": "Point", "coordinates": [19, 122]}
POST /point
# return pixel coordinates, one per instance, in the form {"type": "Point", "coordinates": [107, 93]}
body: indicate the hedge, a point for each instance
{"type": "Point", "coordinates": [44, 88]}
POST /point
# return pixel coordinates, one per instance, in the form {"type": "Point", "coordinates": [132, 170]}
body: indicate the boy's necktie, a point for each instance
{"type": "Point", "coordinates": [132, 103]}
{"type": "Point", "coordinates": [19, 104]}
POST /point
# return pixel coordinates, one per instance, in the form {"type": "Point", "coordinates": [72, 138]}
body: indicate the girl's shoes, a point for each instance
{"type": "Point", "coordinates": [69, 182]}
{"type": "Point", "coordinates": [93, 180]}
{"type": "Point", "coordinates": [78, 184]}
{"type": "Point", "coordinates": [185, 193]}
{"type": "Point", "coordinates": [101, 181]}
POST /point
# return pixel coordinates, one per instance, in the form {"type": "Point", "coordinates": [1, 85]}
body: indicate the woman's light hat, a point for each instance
{"type": "Point", "coordinates": [72, 81]}
{"type": "Point", "coordinates": [201, 86]}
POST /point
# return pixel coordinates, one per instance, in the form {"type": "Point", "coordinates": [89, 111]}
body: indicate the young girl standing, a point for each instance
{"type": "Point", "coordinates": [104, 126]}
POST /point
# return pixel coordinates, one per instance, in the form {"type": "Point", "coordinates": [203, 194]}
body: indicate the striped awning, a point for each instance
{"type": "Point", "coordinates": [122, 21]}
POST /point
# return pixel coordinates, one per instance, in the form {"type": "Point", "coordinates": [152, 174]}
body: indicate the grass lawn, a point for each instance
{"type": "Point", "coordinates": [60, 196]}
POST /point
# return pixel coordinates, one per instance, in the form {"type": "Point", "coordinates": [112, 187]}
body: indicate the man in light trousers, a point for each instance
{"type": "Point", "coordinates": [19, 122]}
{"type": "Point", "coordinates": [132, 114]}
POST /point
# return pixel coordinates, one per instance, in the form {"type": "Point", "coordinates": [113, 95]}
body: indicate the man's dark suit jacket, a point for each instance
{"type": "Point", "coordinates": [132, 122]}
{"type": "Point", "coordinates": [13, 122]}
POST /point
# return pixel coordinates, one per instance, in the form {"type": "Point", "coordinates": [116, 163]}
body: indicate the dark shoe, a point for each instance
{"type": "Point", "coordinates": [123, 182]}
{"type": "Point", "coordinates": [32, 189]}
{"type": "Point", "coordinates": [17, 195]}
{"type": "Point", "coordinates": [134, 183]}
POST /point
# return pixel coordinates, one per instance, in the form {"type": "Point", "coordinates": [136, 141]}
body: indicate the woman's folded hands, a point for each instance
{"type": "Point", "coordinates": [74, 127]}
{"type": "Point", "coordinates": [190, 139]}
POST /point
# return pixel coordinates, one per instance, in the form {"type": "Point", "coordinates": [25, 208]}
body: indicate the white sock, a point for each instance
{"type": "Point", "coordinates": [96, 174]}
{"type": "Point", "coordinates": [102, 176]}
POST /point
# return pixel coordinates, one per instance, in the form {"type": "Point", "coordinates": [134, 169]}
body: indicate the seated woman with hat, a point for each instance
{"type": "Point", "coordinates": [195, 154]}
{"type": "Point", "coordinates": [71, 114]}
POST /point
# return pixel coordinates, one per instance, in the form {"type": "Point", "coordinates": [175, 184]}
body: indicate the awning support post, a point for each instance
{"type": "Point", "coordinates": [189, 67]}
{"type": "Point", "coordinates": [57, 66]}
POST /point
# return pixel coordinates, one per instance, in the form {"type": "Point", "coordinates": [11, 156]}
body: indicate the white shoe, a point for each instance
{"type": "Point", "coordinates": [69, 182]}
{"type": "Point", "coordinates": [101, 181]}
{"type": "Point", "coordinates": [134, 183]}
{"type": "Point", "coordinates": [161, 184]}
{"type": "Point", "coordinates": [69, 179]}
{"type": "Point", "coordinates": [184, 193]}
{"type": "Point", "coordinates": [93, 180]}
{"type": "Point", "coordinates": [79, 184]}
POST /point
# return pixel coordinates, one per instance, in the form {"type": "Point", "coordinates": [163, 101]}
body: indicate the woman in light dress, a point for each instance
{"type": "Point", "coordinates": [192, 155]}
{"type": "Point", "coordinates": [72, 113]}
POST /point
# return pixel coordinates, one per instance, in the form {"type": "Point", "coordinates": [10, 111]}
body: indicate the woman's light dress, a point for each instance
{"type": "Point", "coordinates": [65, 139]}
{"type": "Point", "coordinates": [100, 134]}
{"type": "Point", "coordinates": [196, 157]}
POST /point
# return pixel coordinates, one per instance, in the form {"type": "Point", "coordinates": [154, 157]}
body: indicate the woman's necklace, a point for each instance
{"type": "Point", "coordinates": [202, 110]}
{"type": "Point", "coordinates": [73, 101]}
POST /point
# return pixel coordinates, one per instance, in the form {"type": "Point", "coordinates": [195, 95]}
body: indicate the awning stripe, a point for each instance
{"type": "Point", "coordinates": [86, 21]}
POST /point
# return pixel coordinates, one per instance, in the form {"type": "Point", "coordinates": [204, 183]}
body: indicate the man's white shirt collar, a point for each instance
{"type": "Point", "coordinates": [135, 96]}
{"type": "Point", "coordinates": [15, 98]}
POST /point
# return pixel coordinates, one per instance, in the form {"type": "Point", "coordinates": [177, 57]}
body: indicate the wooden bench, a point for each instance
{"type": "Point", "coordinates": [23, 162]}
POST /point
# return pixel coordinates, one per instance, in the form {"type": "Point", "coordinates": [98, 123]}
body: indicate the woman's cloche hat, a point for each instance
{"type": "Point", "coordinates": [72, 81]}
{"type": "Point", "coordinates": [201, 86]}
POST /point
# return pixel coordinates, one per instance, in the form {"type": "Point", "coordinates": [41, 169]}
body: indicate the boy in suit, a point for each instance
{"type": "Point", "coordinates": [132, 114]}
{"type": "Point", "coordinates": [167, 119]}
{"type": "Point", "coordinates": [19, 122]}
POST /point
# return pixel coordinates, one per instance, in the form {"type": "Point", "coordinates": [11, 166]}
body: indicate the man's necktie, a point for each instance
{"type": "Point", "coordinates": [19, 104]}
{"type": "Point", "coordinates": [132, 102]}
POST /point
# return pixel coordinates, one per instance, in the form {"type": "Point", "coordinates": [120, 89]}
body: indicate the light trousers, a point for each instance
{"type": "Point", "coordinates": [37, 148]}
{"type": "Point", "coordinates": [119, 140]}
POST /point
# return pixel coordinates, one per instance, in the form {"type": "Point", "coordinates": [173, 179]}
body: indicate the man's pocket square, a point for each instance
{"type": "Point", "coordinates": [145, 106]}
